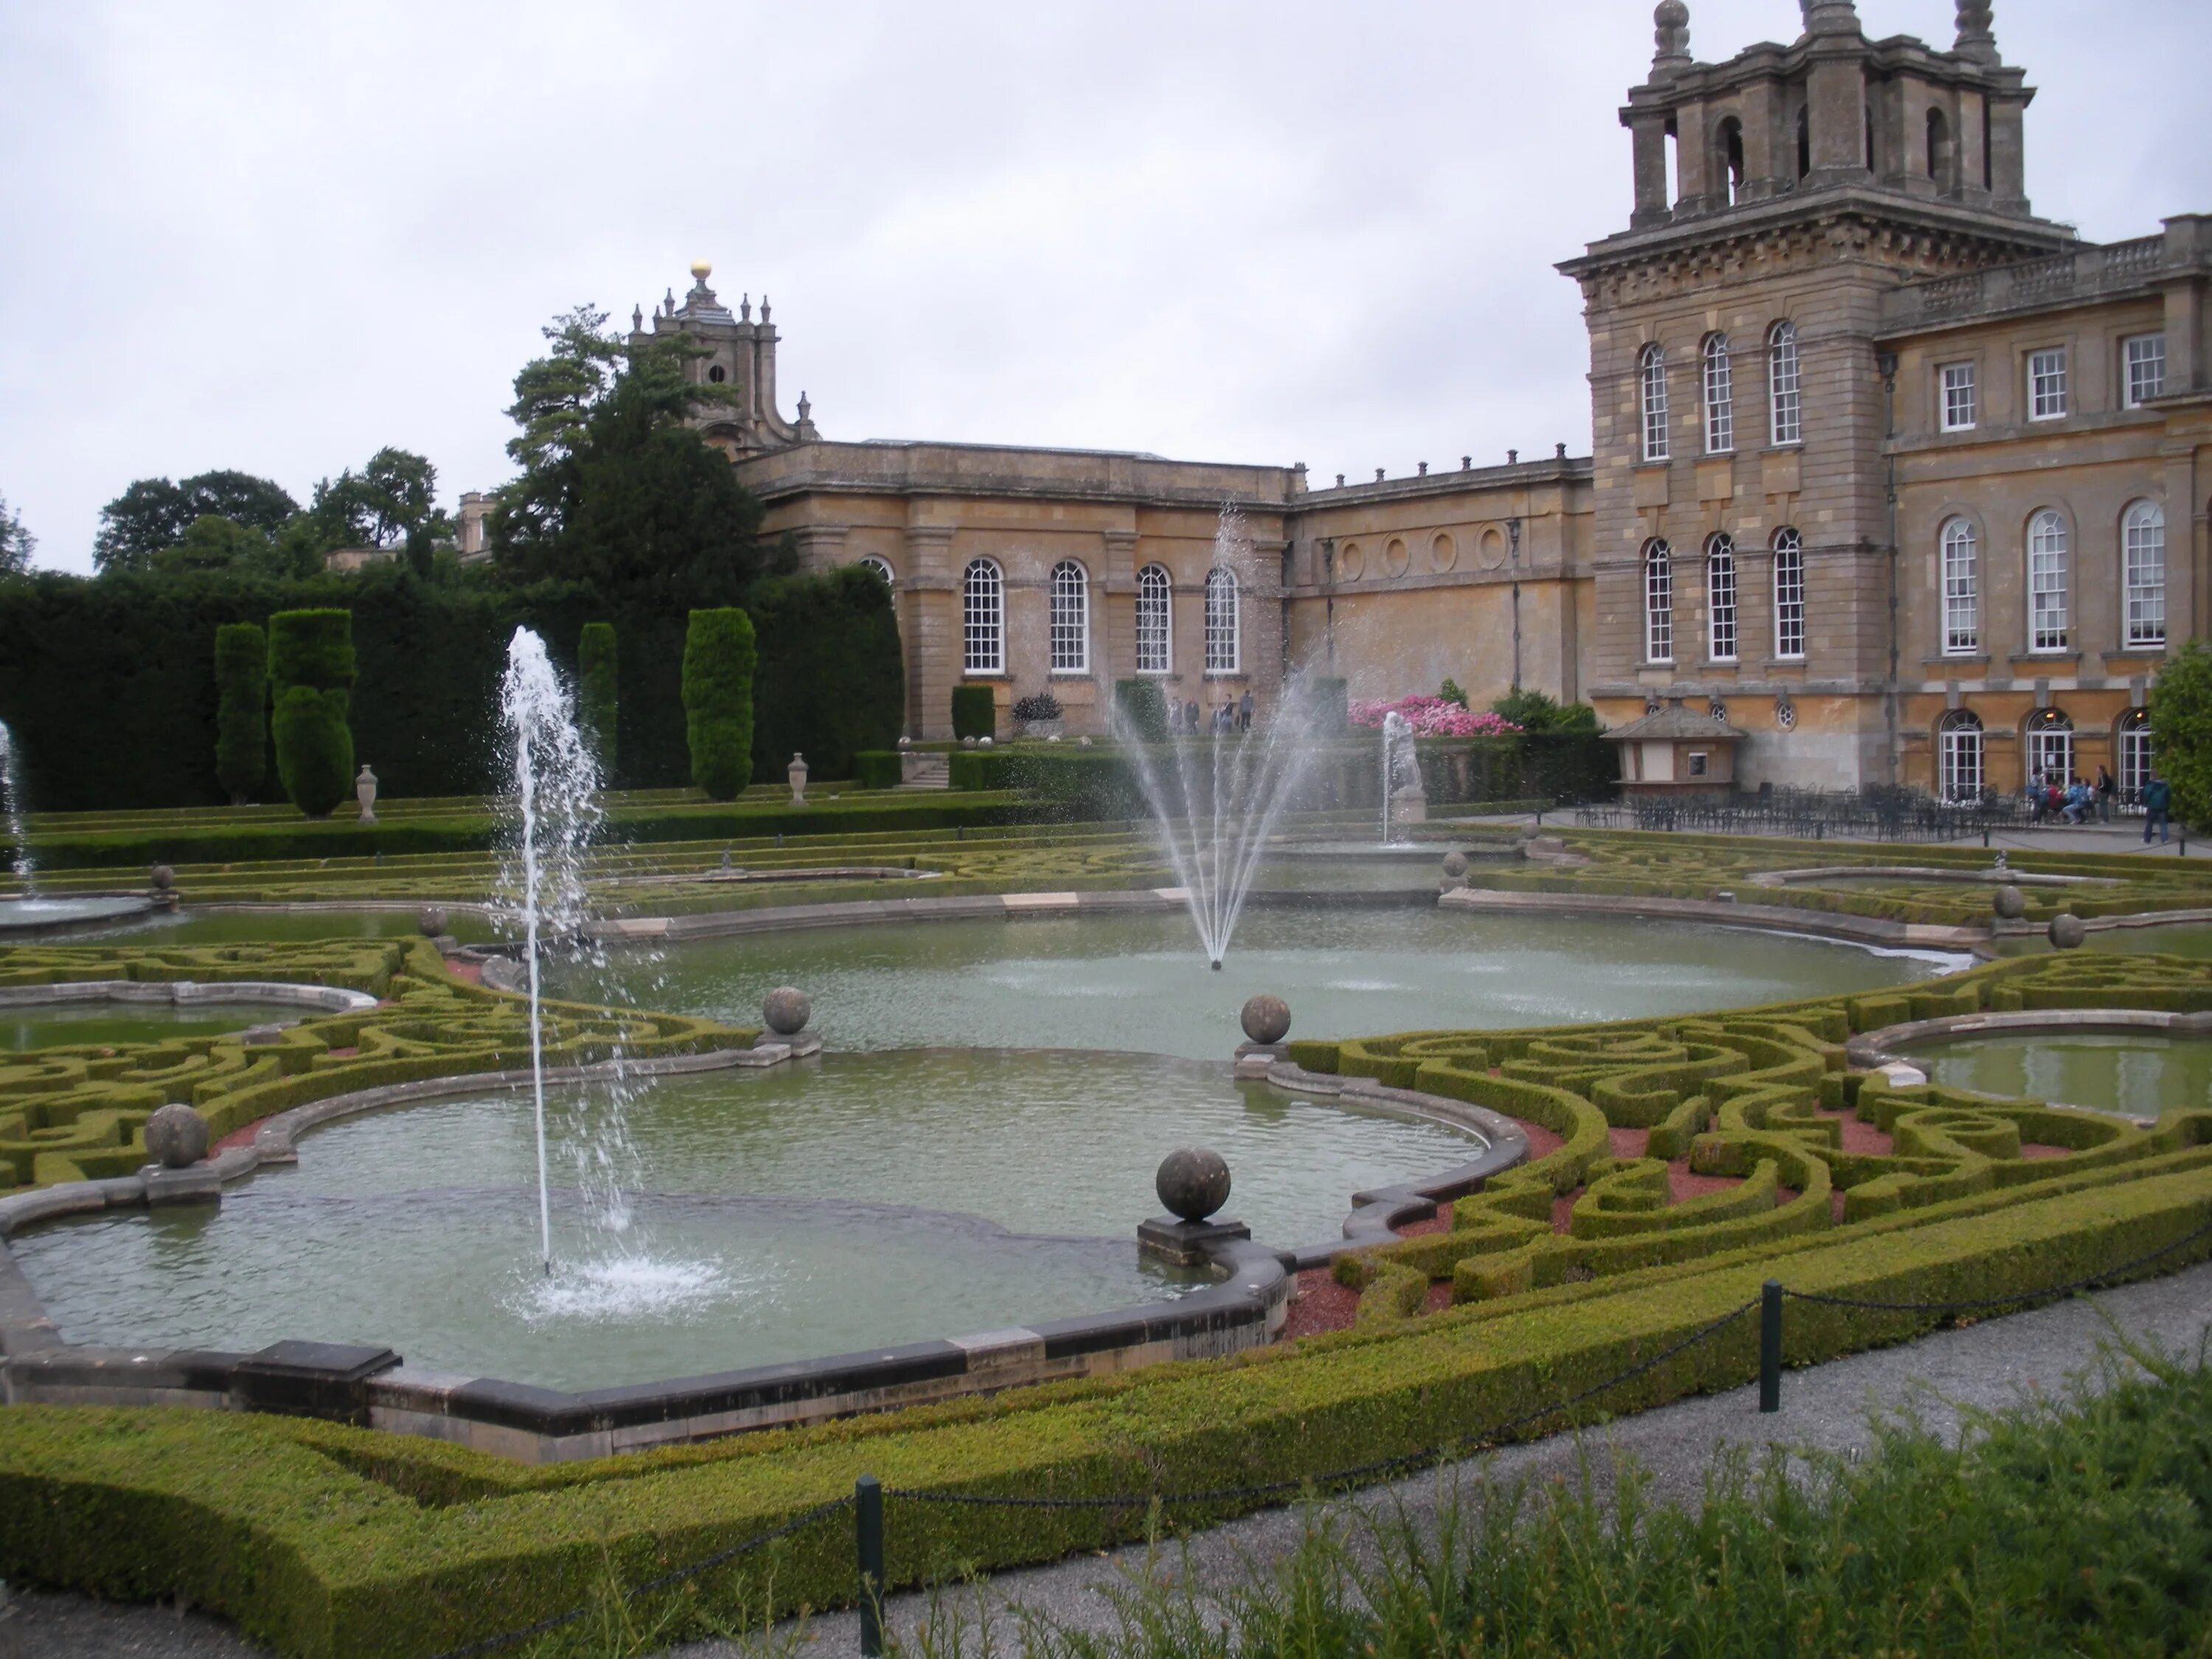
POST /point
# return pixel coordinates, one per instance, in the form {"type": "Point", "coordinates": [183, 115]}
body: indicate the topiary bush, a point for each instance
{"type": "Point", "coordinates": [1143, 711]}
{"type": "Point", "coordinates": [878, 769]}
{"type": "Point", "coordinates": [719, 658]}
{"type": "Point", "coordinates": [975, 711]}
{"type": "Point", "coordinates": [242, 722]}
{"type": "Point", "coordinates": [831, 678]}
{"type": "Point", "coordinates": [310, 670]}
{"type": "Point", "coordinates": [598, 697]}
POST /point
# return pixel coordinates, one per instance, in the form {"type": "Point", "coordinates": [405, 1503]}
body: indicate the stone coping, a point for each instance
{"type": "Point", "coordinates": [1991, 876]}
{"type": "Point", "coordinates": [1246, 1308]}
{"type": "Point", "coordinates": [1766, 918]}
{"type": "Point", "coordinates": [188, 993]}
{"type": "Point", "coordinates": [140, 905]}
{"type": "Point", "coordinates": [2025, 929]}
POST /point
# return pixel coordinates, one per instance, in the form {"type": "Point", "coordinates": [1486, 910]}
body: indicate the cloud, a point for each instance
{"type": "Point", "coordinates": [278, 237]}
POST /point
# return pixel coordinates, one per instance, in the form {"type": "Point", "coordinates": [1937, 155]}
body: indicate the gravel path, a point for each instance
{"type": "Point", "coordinates": [1994, 1364]}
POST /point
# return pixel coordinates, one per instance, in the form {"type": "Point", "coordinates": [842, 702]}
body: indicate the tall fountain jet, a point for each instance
{"type": "Point", "coordinates": [1215, 796]}
{"type": "Point", "coordinates": [555, 780]}
{"type": "Point", "coordinates": [11, 777]}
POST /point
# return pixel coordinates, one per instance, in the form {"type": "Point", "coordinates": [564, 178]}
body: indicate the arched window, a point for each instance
{"type": "Point", "coordinates": [983, 617]}
{"type": "Point", "coordinates": [2143, 561]}
{"type": "Point", "coordinates": [2047, 582]}
{"type": "Point", "coordinates": [2050, 747]}
{"type": "Point", "coordinates": [2135, 755]}
{"type": "Point", "coordinates": [1652, 374]}
{"type": "Point", "coordinates": [1071, 618]}
{"type": "Point", "coordinates": [1962, 589]}
{"type": "Point", "coordinates": [1720, 598]}
{"type": "Point", "coordinates": [1939, 147]}
{"type": "Point", "coordinates": [1784, 406]}
{"type": "Point", "coordinates": [1223, 648]}
{"type": "Point", "coordinates": [1960, 756]}
{"type": "Point", "coordinates": [1804, 140]}
{"type": "Point", "coordinates": [1658, 603]}
{"type": "Point", "coordinates": [1155, 620]}
{"type": "Point", "coordinates": [881, 566]}
{"type": "Point", "coordinates": [1720, 396]}
{"type": "Point", "coordinates": [1789, 594]}
{"type": "Point", "coordinates": [1728, 158]}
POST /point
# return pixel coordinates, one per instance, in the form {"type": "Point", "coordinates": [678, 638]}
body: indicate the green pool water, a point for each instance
{"type": "Point", "coordinates": [831, 1207]}
{"type": "Point", "coordinates": [1139, 983]}
{"type": "Point", "coordinates": [114, 1024]}
{"type": "Point", "coordinates": [191, 926]}
{"type": "Point", "coordinates": [2142, 1076]}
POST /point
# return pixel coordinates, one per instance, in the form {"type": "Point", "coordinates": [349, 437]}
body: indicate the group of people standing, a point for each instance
{"type": "Point", "coordinates": [1234, 715]}
{"type": "Point", "coordinates": [2052, 797]}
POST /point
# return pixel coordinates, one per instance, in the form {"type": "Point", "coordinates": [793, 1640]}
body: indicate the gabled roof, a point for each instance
{"type": "Point", "coordinates": [1674, 722]}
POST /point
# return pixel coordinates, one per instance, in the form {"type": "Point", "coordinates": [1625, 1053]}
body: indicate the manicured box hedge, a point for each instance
{"type": "Point", "coordinates": [975, 711]}
{"type": "Point", "coordinates": [878, 769]}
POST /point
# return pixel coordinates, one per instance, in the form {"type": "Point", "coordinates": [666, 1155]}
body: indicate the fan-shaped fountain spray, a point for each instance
{"type": "Point", "coordinates": [555, 778]}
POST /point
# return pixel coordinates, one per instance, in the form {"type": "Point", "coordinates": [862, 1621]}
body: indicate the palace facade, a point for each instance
{"type": "Point", "coordinates": [1899, 479]}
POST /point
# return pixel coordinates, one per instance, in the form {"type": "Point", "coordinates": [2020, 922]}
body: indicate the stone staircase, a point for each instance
{"type": "Point", "coordinates": [924, 771]}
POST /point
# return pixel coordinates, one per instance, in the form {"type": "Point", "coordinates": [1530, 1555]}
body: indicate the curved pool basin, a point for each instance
{"type": "Point", "coordinates": [2142, 1076]}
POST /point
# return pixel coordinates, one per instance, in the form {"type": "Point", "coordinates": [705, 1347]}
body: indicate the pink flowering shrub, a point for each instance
{"type": "Point", "coordinates": [1431, 717]}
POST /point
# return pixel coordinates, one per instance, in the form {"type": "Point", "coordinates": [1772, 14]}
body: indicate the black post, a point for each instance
{"type": "Point", "coordinates": [1985, 836]}
{"type": "Point", "coordinates": [1770, 1346]}
{"type": "Point", "coordinates": [868, 1529]}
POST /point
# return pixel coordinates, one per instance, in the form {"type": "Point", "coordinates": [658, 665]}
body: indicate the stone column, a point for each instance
{"type": "Point", "coordinates": [1649, 132]}
{"type": "Point", "coordinates": [821, 547]}
{"type": "Point", "coordinates": [929, 629]}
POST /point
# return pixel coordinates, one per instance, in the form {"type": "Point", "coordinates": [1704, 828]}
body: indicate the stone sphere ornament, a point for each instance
{"type": "Point", "coordinates": [163, 878]}
{"type": "Point", "coordinates": [2009, 902]}
{"type": "Point", "coordinates": [1192, 1182]}
{"type": "Point", "coordinates": [431, 919]}
{"type": "Point", "coordinates": [2067, 931]}
{"type": "Point", "coordinates": [787, 1011]}
{"type": "Point", "coordinates": [1454, 863]}
{"type": "Point", "coordinates": [176, 1137]}
{"type": "Point", "coordinates": [1266, 1018]}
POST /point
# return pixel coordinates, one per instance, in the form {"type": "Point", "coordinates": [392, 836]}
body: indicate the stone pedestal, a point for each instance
{"type": "Point", "coordinates": [197, 1183]}
{"type": "Point", "coordinates": [1185, 1244]}
{"type": "Point", "coordinates": [1253, 1059]}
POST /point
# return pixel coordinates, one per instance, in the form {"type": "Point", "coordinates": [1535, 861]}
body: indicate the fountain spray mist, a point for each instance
{"type": "Point", "coordinates": [556, 782]}
{"type": "Point", "coordinates": [11, 778]}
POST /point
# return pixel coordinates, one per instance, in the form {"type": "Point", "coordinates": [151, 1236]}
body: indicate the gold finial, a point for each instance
{"type": "Point", "coordinates": [701, 270]}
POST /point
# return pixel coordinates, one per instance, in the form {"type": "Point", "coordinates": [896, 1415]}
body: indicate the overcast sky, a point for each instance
{"type": "Point", "coordinates": [278, 236]}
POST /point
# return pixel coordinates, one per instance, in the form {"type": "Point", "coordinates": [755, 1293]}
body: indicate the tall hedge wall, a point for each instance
{"type": "Point", "coordinates": [110, 685]}
{"type": "Point", "coordinates": [831, 680]}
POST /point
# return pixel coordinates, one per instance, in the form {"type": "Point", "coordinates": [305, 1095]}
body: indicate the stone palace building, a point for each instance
{"type": "Point", "coordinates": [1892, 476]}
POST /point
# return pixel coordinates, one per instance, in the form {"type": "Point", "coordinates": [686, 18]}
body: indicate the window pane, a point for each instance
{"type": "Point", "coordinates": [2143, 554]}
{"type": "Point", "coordinates": [2046, 378]}
{"type": "Point", "coordinates": [1788, 594]}
{"type": "Point", "coordinates": [2146, 367]}
{"type": "Point", "coordinates": [1962, 601]}
{"type": "Point", "coordinates": [2046, 583]}
{"type": "Point", "coordinates": [1658, 603]}
{"type": "Point", "coordinates": [1962, 760]}
{"type": "Point", "coordinates": [1221, 642]}
{"type": "Point", "coordinates": [1153, 620]}
{"type": "Point", "coordinates": [983, 619]}
{"type": "Point", "coordinates": [1720, 409]}
{"type": "Point", "coordinates": [1959, 412]}
{"type": "Point", "coordinates": [1070, 619]}
{"type": "Point", "coordinates": [1719, 599]}
{"type": "Point", "coordinates": [1783, 383]}
{"type": "Point", "coordinates": [1654, 394]}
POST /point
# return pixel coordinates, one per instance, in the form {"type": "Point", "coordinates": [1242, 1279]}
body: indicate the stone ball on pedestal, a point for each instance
{"type": "Point", "coordinates": [431, 919]}
{"type": "Point", "coordinates": [1454, 863]}
{"type": "Point", "coordinates": [163, 878]}
{"type": "Point", "coordinates": [1192, 1182]}
{"type": "Point", "coordinates": [176, 1137]}
{"type": "Point", "coordinates": [787, 1011]}
{"type": "Point", "coordinates": [2067, 931]}
{"type": "Point", "coordinates": [1266, 1018]}
{"type": "Point", "coordinates": [2009, 902]}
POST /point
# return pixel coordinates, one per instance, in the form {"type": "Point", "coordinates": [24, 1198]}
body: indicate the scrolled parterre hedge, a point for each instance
{"type": "Point", "coordinates": [1566, 1275]}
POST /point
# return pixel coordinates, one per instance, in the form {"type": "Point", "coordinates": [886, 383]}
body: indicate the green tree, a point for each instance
{"type": "Point", "coordinates": [618, 491]}
{"type": "Point", "coordinates": [1533, 711]}
{"type": "Point", "coordinates": [241, 719]}
{"type": "Point", "coordinates": [311, 669]}
{"type": "Point", "coordinates": [2181, 731]}
{"type": "Point", "coordinates": [389, 502]}
{"type": "Point", "coordinates": [155, 514]}
{"type": "Point", "coordinates": [16, 543]}
{"type": "Point", "coordinates": [214, 543]}
{"type": "Point", "coordinates": [598, 697]}
{"type": "Point", "coordinates": [719, 658]}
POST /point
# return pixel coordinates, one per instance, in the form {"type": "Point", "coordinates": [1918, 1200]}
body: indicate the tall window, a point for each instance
{"type": "Point", "coordinates": [2135, 755]}
{"type": "Point", "coordinates": [1720, 598]}
{"type": "Point", "coordinates": [881, 567]}
{"type": "Point", "coordinates": [1155, 620]}
{"type": "Point", "coordinates": [2046, 582]}
{"type": "Point", "coordinates": [1789, 594]}
{"type": "Point", "coordinates": [1658, 603]}
{"type": "Point", "coordinates": [1071, 618]}
{"type": "Point", "coordinates": [1960, 406]}
{"type": "Point", "coordinates": [1720, 396]}
{"type": "Point", "coordinates": [2050, 745]}
{"type": "Point", "coordinates": [1784, 404]}
{"type": "Point", "coordinates": [2046, 384]}
{"type": "Point", "coordinates": [1961, 756]}
{"type": "Point", "coordinates": [1962, 589]}
{"type": "Point", "coordinates": [1222, 646]}
{"type": "Point", "coordinates": [2143, 558]}
{"type": "Point", "coordinates": [2146, 369]}
{"type": "Point", "coordinates": [983, 617]}
{"type": "Point", "coordinates": [1653, 374]}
